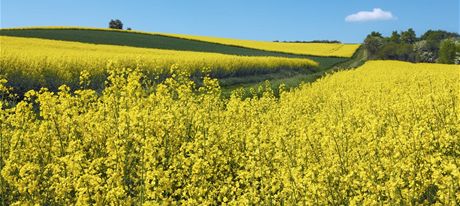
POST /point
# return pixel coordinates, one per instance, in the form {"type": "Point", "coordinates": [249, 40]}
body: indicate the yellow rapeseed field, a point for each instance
{"type": "Point", "coordinates": [316, 49]}
{"type": "Point", "coordinates": [386, 133]}
{"type": "Point", "coordinates": [30, 62]}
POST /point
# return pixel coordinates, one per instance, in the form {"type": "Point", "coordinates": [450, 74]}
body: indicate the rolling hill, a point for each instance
{"type": "Point", "coordinates": [175, 42]}
{"type": "Point", "coordinates": [211, 45]}
{"type": "Point", "coordinates": [32, 63]}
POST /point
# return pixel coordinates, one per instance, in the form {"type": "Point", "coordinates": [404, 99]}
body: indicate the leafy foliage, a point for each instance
{"type": "Point", "coordinates": [407, 47]}
{"type": "Point", "coordinates": [448, 51]}
{"type": "Point", "coordinates": [424, 51]}
{"type": "Point", "coordinates": [408, 37]}
{"type": "Point", "coordinates": [438, 35]}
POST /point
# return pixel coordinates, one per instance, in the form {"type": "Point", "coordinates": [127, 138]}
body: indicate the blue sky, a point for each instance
{"type": "Point", "coordinates": [244, 19]}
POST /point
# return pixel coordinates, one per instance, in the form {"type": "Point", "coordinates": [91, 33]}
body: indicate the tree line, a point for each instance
{"type": "Point", "coordinates": [314, 41]}
{"type": "Point", "coordinates": [433, 46]}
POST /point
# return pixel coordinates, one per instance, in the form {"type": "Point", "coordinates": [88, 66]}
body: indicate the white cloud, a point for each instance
{"type": "Point", "coordinates": [375, 15]}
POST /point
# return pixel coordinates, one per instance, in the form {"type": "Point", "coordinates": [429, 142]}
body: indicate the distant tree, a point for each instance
{"type": "Point", "coordinates": [405, 52]}
{"type": "Point", "coordinates": [115, 24]}
{"type": "Point", "coordinates": [396, 51]}
{"type": "Point", "coordinates": [395, 37]}
{"type": "Point", "coordinates": [388, 51]}
{"type": "Point", "coordinates": [408, 36]}
{"type": "Point", "coordinates": [424, 52]}
{"type": "Point", "coordinates": [129, 29]}
{"type": "Point", "coordinates": [325, 41]}
{"type": "Point", "coordinates": [447, 52]}
{"type": "Point", "coordinates": [457, 53]}
{"type": "Point", "coordinates": [373, 43]}
{"type": "Point", "coordinates": [375, 34]}
{"type": "Point", "coordinates": [438, 35]}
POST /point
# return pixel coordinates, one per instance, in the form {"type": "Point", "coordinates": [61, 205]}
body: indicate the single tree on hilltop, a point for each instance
{"type": "Point", "coordinates": [115, 24]}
